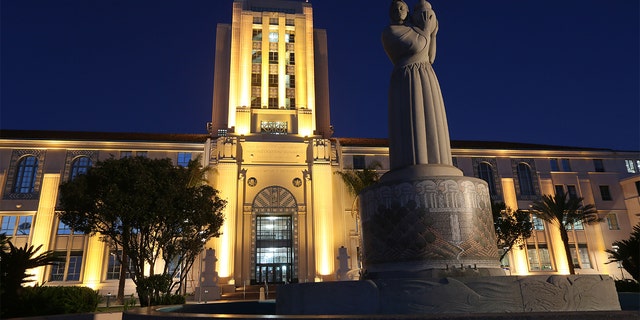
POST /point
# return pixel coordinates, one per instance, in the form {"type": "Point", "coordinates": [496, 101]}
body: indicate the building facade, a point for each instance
{"type": "Point", "coordinates": [289, 217]}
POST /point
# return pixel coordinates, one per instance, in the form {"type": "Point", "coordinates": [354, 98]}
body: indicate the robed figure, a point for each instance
{"type": "Point", "coordinates": [418, 130]}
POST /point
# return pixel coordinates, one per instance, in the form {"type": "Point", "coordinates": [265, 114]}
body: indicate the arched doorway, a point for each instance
{"type": "Point", "coordinates": [274, 228]}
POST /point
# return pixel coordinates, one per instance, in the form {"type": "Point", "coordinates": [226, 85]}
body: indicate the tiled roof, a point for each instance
{"type": "Point", "coordinates": [467, 144]}
{"type": "Point", "coordinates": [102, 136]}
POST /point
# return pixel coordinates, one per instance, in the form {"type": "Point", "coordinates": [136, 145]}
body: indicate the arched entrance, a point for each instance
{"type": "Point", "coordinates": [274, 238]}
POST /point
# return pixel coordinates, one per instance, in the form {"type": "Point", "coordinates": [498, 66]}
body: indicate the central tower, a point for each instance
{"type": "Point", "coordinates": [271, 71]}
{"type": "Point", "coordinates": [270, 151]}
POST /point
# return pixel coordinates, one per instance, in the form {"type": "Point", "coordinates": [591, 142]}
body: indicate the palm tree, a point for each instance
{"type": "Point", "coordinates": [563, 212]}
{"type": "Point", "coordinates": [627, 252]}
{"type": "Point", "coordinates": [356, 181]}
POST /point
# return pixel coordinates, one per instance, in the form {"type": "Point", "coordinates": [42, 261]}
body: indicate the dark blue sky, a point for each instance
{"type": "Point", "coordinates": [545, 71]}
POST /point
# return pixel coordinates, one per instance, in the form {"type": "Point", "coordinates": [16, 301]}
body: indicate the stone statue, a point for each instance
{"type": "Point", "coordinates": [418, 130]}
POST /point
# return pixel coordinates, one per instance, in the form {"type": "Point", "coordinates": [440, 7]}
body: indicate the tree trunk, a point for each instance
{"type": "Point", "coordinates": [124, 263]}
{"type": "Point", "coordinates": [567, 249]}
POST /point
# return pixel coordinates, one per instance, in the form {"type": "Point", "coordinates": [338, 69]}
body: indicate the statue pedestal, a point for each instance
{"type": "Point", "coordinates": [427, 221]}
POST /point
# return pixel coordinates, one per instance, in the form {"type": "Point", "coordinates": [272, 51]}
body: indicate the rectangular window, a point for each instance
{"type": "Point", "coordinates": [114, 266]}
{"type": "Point", "coordinates": [8, 225]}
{"type": "Point", "coordinates": [257, 20]}
{"type": "Point", "coordinates": [291, 103]}
{"type": "Point", "coordinates": [257, 34]}
{"type": "Point", "coordinates": [598, 164]}
{"type": "Point", "coordinates": [291, 81]}
{"type": "Point", "coordinates": [63, 228]}
{"type": "Point", "coordinates": [572, 192]}
{"type": "Point", "coordinates": [576, 226]}
{"type": "Point", "coordinates": [273, 37]}
{"type": "Point", "coordinates": [554, 164]}
{"type": "Point", "coordinates": [612, 221]}
{"type": "Point", "coordinates": [539, 258]}
{"type": "Point", "coordinates": [57, 272]}
{"type": "Point", "coordinates": [256, 102]}
{"type": "Point", "coordinates": [292, 58]}
{"type": "Point", "coordinates": [69, 270]}
{"type": "Point", "coordinates": [581, 257]}
{"type": "Point", "coordinates": [273, 80]}
{"type": "Point", "coordinates": [638, 187]}
{"type": "Point", "coordinates": [256, 79]}
{"type": "Point", "coordinates": [559, 188]}
{"type": "Point", "coordinates": [273, 103]}
{"type": "Point", "coordinates": [273, 57]}
{"type": "Point", "coordinates": [256, 57]}
{"type": "Point", "coordinates": [605, 193]}
{"type": "Point", "coordinates": [566, 165]}
{"type": "Point", "coordinates": [273, 21]}
{"type": "Point", "coordinates": [184, 158]}
{"type": "Point", "coordinates": [359, 162]}
{"type": "Point", "coordinates": [141, 154]}
{"type": "Point", "coordinates": [289, 37]}
{"type": "Point", "coordinates": [631, 168]}
{"type": "Point", "coordinates": [538, 224]}
{"type": "Point", "coordinates": [126, 154]}
{"type": "Point", "coordinates": [24, 226]}
{"type": "Point", "coordinates": [289, 22]}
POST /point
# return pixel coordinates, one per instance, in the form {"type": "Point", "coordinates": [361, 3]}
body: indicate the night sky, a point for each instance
{"type": "Point", "coordinates": [546, 71]}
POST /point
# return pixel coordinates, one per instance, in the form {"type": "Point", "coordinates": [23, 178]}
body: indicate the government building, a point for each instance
{"type": "Point", "coordinates": [289, 216]}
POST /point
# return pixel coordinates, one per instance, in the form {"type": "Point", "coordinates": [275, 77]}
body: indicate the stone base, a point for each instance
{"type": "Point", "coordinates": [415, 221]}
{"type": "Point", "coordinates": [501, 294]}
{"type": "Point", "coordinates": [207, 293]}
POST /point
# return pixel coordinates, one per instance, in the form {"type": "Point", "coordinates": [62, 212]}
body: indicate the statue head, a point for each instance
{"type": "Point", "coordinates": [398, 11]}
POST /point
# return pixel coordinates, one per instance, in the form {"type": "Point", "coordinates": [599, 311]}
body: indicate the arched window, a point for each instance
{"type": "Point", "coordinates": [525, 180]}
{"type": "Point", "coordinates": [485, 172]}
{"type": "Point", "coordinates": [80, 165]}
{"type": "Point", "coordinates": [25, 180]}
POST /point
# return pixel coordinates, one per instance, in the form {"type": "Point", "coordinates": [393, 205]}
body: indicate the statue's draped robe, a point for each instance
{"type": "Point", "coordinates": [418, 130]}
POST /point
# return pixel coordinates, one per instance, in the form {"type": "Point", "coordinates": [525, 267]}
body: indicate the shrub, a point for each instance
{"type": "Point", "coordinates": [40, 300]}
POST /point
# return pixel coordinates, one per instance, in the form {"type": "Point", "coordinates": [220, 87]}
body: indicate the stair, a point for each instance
{"type": "Point", "coordinates": [251, 292]}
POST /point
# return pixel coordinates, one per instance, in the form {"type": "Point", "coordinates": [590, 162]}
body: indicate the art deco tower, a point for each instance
{"type": "Point", "coordinates": [271, 155]}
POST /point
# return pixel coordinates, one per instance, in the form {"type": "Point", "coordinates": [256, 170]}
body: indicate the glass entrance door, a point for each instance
{"type": "Point", "coordinates": [274, 249]}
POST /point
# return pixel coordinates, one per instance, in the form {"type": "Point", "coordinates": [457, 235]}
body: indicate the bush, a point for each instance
{"type": "Point", "coordinates": [40, 300]}
{"type": "Point", "coordinates": [627, 285]}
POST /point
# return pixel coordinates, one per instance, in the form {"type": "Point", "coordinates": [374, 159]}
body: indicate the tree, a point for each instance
{"type": "Point", "coordinates": [14, 263]}
{"type": "Point", "coordinates": [628, 253]}
{"type": "Point", "coordinates": [148, 208]}
{"type": "Point", "coordinates": [512, 227]}
{"type": "Point", "coordinates": [563, 212]}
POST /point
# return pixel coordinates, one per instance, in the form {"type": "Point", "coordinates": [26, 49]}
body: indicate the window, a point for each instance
{"type": "Point", "coordinates": [174, 266]}
{"type": "Point", "coordinates": [291, 103]}
{"type": "Point", "coordinates": [525, 181]}
{"type": "Point", "coordinates": [256, 56]}
{"type": "Point", "coordinates": [638, 187]}
{"type": "Point", "coordinates": [273, 37]}
{"type": "Point", "coordinates": [273, 103]}
{"type": "Point", "coordinates": [580, 258]}
{"type": "Point", "coordinates": [256, 102]}
{"type": "Point", "coordinates": [69, 270]}
{"type": "Point", "coordinates": [631, 168]}
{"type": "Point", "coordinates": [577, 225]}
{"type": "Point", "coordinates": [554, 164]}
{"type": "Point", "coordinates": [141, 154]}
{"type": "Point", "coordinates": [598, 165]}
{"type": "Point", "coordinates": [605, 193]}
{"type": "Point", "coordinates": [612, 221]}
{"type": "Point", "coordinates": [184, 158]}
{"type": "Point", "coordinates": [289, 37]}
{"type": "Point", "coordinates": [256, 79]}
{"type": "Point", "coordinates": [257, 20]}
{"type": "Point", "coordinates": [273, 21]}
{"type": "Point", "coordinates": [25, 179]}
{"type": "Point", "coordinates": [538, 224]}
{"type": "Point", "coordinates": [566, 165]}
{"type": "Point", "coordinates": [64, 229]}
{"type": "Point", "coordinates": [126, 154]}
{"type": "Point", "coordinates": [359, 162]}
{"type": "Point", "coordinates": [114, 266]}
{"type": "Point", "coordinates": [273, 80]}
{"type": "Point", "coordinates": [8, 225]}
{"type": "Point", "coordinates": [559, 189]}
{"type": "Point", "coordinates": [572, 192]}
{"type": "Point", "coordinates": [79, 166]}
{"type": "Point", "coordinates": [273, 57]}
{"type": "Point", "coordinates": [257, 34]}
{"type": "Point", "coordinates": [539, 258]}
{"type": "Point", "coordinates": [291, 81]}
{"type": "Point", "coordinates": [24, 226]}
{"type": "Point", "coordinates": [292, 58]}
{"type": "Point", "coordinates": [485, 172]}
{"type": "Point", "coordinates": [289, 22]}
